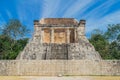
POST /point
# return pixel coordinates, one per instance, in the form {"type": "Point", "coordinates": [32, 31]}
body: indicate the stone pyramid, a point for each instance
{"type": "Point", "coordinates": [61, 39]}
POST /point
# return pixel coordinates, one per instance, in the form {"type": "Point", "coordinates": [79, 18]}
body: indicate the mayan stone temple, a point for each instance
{"type": "Point", "coordinates": [58, 48]}
{"type": "Point", "coordinates": [61, 39]}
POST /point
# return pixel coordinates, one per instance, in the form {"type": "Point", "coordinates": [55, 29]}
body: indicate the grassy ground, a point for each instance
{"type": "Point", "coordinates": [60, 78]}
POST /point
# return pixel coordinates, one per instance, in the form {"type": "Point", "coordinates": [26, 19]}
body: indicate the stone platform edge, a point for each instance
{"type": "Point", "coordinates": [59, 67]}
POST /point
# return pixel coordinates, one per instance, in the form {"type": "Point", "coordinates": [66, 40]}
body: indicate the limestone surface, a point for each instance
{"type": "Point", "coordinates": [61, 39]}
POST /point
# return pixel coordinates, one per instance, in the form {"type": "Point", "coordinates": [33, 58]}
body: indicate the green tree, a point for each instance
{"type": "Point", "coordinates": [15, 29]}
{"type": "Point", "coordinates": [107, 43]}
{"type": "Point", "coordinates": [113, 35]}
{"type": "Point", "coordinates": [10, 52]}
{"type": "Point", "coordinates": [113, 32]}
{"type": "Point", "coordinates": [5, 47]}
{"type": "Point", "coordinates": [11, 40]}
{"type": "Point", "coordinates": [114, 50]}
{"type": "Point", "coordinates": [100, 43]}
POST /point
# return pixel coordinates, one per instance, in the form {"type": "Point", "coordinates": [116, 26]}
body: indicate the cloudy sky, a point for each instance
{"type": "Point", "coordinates": [97, 13]}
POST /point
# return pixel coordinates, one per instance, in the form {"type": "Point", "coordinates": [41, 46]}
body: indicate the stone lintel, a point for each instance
{"type": "Point", "coordinates": [57, 27]}
{"type": "Point", "coordinates": [58, 21]}
{"type": "Point", "coordinates": [53, 25]}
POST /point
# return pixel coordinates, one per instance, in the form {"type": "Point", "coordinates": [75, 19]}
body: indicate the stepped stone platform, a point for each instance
{"type": "Point", "coordinates": [61, 39]}
{"type": "Point", "coordinates": [59, 67]}
{"type": "Point", "coordinates": [59, 47]}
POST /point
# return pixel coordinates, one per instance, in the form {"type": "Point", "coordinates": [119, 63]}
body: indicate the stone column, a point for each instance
{"type": "Point", "coordinates": [75, 35]}
{"type": "Point", "coordinates": [52, 35]}
{"type": "Point", "coordinates": [68, 35]}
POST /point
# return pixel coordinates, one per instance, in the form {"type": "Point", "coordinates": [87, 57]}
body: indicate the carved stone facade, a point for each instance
{"type": "Point", "coordinates": [59, 38]}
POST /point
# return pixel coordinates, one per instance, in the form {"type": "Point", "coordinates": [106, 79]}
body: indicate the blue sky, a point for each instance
{"type": "Point", "coordinates": [97, 13]}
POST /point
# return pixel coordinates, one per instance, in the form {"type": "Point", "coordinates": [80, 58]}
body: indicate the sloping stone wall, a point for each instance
{"type": "Point", "coordinates": [82, 50]}
{"type": "Point", "coordinates": [57, 67]}
{"type": "Point", "coordinates": [76, 51]}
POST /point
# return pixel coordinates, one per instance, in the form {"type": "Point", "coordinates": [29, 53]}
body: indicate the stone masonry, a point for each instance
{"type": "Point", "coordinates": [61, 39]}
{"type": "Point", "coordinates": [59, 67]}
{"type": "Point", "coordinates": [59, 47]}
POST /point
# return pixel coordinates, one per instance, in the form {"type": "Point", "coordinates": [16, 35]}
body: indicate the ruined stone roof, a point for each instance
{"type": "Point", "coordinates": [64, 21]}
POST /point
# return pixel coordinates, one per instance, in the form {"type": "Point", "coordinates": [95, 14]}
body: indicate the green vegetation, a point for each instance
{"type": "Point", "coordinates": [11, 39]}
{"type": "Point", "coordinates": [107, 43]}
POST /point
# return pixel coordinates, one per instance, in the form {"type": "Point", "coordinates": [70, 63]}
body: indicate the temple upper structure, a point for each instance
{"type": "Point", "coordinates": [59, 30]}
{"type": "Point", "coordinates": [59, 38]}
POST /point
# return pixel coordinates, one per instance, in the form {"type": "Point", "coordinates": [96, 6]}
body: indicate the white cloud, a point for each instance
{"type": "Point", "coordinates": [113, 17]}
{"type": "Point", "coordinates": [28, 10]}
{"type": "Point", "coordinates": [78, 5]}
{"type": "Point", "coordinates": [102, 23]}
{"type": "Point", "coordinates": [95, 21]}
{"type": "Point", "coordinates": [50, 8]}
{"type": "Point", "coordinates": [9, 14]}
{"type": "Point", "coordinates": [100, 9]}
{"type": "Point", "coordinates": [2, 21]}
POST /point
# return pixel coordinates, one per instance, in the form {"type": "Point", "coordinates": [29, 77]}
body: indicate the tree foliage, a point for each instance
{"type": "Point", "coordinates": [113, 32]}
{"type": "Point", "coordinates": [9, 49]}
{"type": "Point", "coordinates": [100, 43]}
{"type": "Point", "coordinates": [15, 29]}
{"type": "Point", "coordinates": [107, 43]}
{"type": "Point", "coordinates": [11, 39]}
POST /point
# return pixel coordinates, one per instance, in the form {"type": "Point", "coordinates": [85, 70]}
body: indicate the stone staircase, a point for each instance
{"type": "Point", "coordinates": [57, 51]}
{"type": "Point", "coordinates": [82, 50]}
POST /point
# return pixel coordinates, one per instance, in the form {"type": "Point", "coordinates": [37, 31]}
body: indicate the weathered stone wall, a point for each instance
{"type": "Point", "coordinates": [56, 67]}
{"type": "Point", "coordinates": [56, 51]}
{"type": "Point", "coordinates": [76, 51]}
{"type": "Point", "coordinates": [58, 21]}
{"type": "Point", "coordinates": [35, 50]}
{"type": "Point", "coordinates": [60, 35]}
{"type": "Point", "coordinates": [47, 36]}
{"type": "Point", "coordinates": [59, 41]}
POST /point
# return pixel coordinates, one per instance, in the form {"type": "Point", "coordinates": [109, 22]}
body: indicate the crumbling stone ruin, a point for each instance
{"type": "Point", "coordinates": [61, 39]}
{"type": "Point", "coordinates": [59, 47]}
